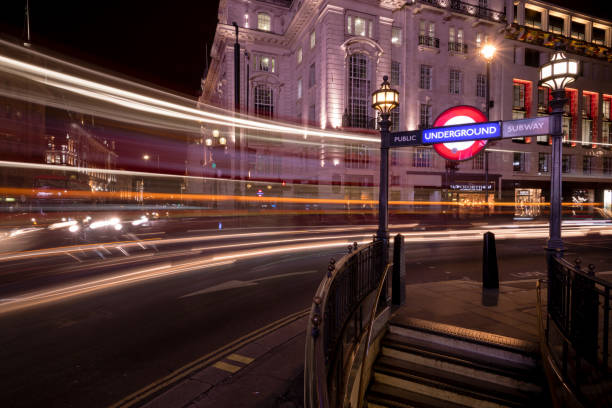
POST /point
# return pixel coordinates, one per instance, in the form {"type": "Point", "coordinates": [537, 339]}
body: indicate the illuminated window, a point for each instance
{"type": "Point", "coordinates": [478, 40]}
{"type": "Point", "coordinates": [518, 96]}
{"type": "Point", "coordinates": [263, 21]}
{"type": "Point", "coordinates": [533, 18]}
{"type": "Point", "coordinates": [299, 88]}
{"type": "Point", "coordinates": [264, 102]}
{"type": "Point", "coordinates": [519, 161]}
{"type": "Point", "coordinates": [313, 40]}
{"type": "Point", "coordinates": [299, 56]}
{"type": "Point", "coordinates": [555, 25]}
{"type": "Point", "coordinates": [265, 63]}
{"type": "Point", "coordinates": [396, 36]}
{"type": "Point", "coordinates": [359, 26]}
{"type": "Point", "coordinates": [359, 90]}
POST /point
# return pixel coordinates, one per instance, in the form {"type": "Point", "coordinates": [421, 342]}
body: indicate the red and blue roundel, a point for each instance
{"type": "Point", "coordinates": [460, 115]}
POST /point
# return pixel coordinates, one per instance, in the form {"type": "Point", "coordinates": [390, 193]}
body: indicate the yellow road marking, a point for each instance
{"type": "Point", "coordinates": [222, 365]}
{"type": "Point", "coordinates": [240, 358]}
{"type": "Point", "coordinates": [205, 360]}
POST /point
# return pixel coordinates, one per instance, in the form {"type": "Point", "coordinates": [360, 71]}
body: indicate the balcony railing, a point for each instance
{"type": "Point", "coordinates": [467, 8]}
{"type": "Point", "coordinates": [552, 40]}
{"type": "Point", "coordinates": [429, 41]}
{"type": "Point", "coordinates": [457, 47]}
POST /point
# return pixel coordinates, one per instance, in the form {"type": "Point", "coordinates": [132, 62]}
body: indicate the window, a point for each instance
{"type": "Point", "coordinates": [359, 26]}
{"type": "Point", "coordinates": [481, 85]}
{"type": "Point", "coordinates": [299, 88]}
{"type": "Point", "coordinates": [543, 99]}
{"type": "Point", "coordinates": [533, 18]}
{"type": "Point", "coordinates": [357, 156]}
{"type": "Point", "coordinates": [311, 76]}
{"type": "Point", "coordinates": [427, 34]}
{"type": "Point", "coordinates": [455, 40]}
{"type": "Point", "coordinates": [454, 84]}
{"type": "Point", "coordinates": [425, 116]}
{"type": "Point", "coordinates": [396, 36]}
{"type": "Point", "coordinates": [518, 162]}
{"type": "Point", "coordinates": [425, 82]}
{"type": "Point", "coordinates": [587, 131]}
{"type": "Point", "coordinates": [478, 162]}
{"type": "Point", "coordinates": [394, 157]}
{"type": "Point", "coordinates": [299, 56]}
{"type": "Point", "coordinates": [587, 164]}
{"type": "Point", "coordinates": [264, 102]}
{"type": "Point", "coordinates": [532, 58]}
{"type": "Point", "coordinates": [577, 30]}
{"type": "Point", "coordinates": [263, 22]}
{"type": "Point", "coordinates": [518, 96]}
{"type": "Point", "coordinates": [312, 112]}
{"type": "Point", "coordinates": [313, 40]}
{"type": "Point", "coordinates": [395, 73]}
{"type": "Point", "coordinates": [395, 120]}
{"type": "Point", "coordinates": [605, 108]}
{"type": "Point", "coordinates": [422, 157]}
{"type": "Point", "coordinates": [542, 139]}
{"type": "Point", "coordinates": [478, 40]}
{"type": "Point", "coordinates": [264, 63]}
{"type": "Point", "coordinates": [605, 133]}
{"type": "Point", "coordinates": [544, 162]}
{"type": "Point", "coordinates": [566, 163]}
{"type": "Point", "coordinates": [586, 106]}
{"type": "Point", "coordinates": [555, 24]}
{"type": "Point", "coordinates": [359, 90]}
{"type": "Point", "coordinates": [607, 165]}
{"type": "Point", "coordinates": [566, 127]}
{"type": "Point", "coordinates": [599, 36]}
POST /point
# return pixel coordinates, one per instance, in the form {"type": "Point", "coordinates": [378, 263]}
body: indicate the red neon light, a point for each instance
{"type": "Point", "coordinates": [447, 150]}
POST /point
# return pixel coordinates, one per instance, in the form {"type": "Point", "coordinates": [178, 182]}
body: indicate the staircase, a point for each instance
{"type": "Point", "coordinates": [432, 365]}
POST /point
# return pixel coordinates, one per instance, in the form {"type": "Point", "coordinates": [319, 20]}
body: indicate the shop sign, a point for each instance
{"type": "Point", "coordinates": [526, 127]}
{"type": "Point", "coordinates": [463, 149]}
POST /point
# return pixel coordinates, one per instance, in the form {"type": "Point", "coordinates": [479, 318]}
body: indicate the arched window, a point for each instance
{"type": "Point", "coordinates": [264, 101]}
{"type": "Point", "coordinates": [264, 22]}
{"type": "Point", "coordinates": [359, 91]}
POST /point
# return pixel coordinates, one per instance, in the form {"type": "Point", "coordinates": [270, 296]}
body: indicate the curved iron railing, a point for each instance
{"type": "Point", "coordinates": [575, 335]}
{"type": "Point", "coordinates": [337, 321]}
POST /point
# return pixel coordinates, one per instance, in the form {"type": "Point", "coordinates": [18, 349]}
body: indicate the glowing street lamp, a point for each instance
{"type": "Point", "coordinates": [556, 74]}
{"type": "Point", "coordinates": [384, 100]}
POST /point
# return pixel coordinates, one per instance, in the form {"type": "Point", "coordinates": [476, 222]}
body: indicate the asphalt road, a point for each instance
{"type": "Point", "coordinates": [97, 342]}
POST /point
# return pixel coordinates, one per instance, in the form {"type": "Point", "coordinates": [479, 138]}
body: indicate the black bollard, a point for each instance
{"type": "Point", "coordinates": [398, 278]}
{"type": "Point", "coordinates": [490, 272]}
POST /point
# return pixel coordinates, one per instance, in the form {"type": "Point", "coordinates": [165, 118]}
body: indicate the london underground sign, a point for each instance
{"type": "Point", "coordinates": [451, 134]}
{"type": "Point", "coordinates": [461, 149]}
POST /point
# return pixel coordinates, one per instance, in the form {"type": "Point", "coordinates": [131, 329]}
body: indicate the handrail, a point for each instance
{"type": "Point", "coordinates": [366, 348]}
{"type": "Point", "coordinates": [348, 282]}
{"type": "Point", "coordinates": [575, 339]}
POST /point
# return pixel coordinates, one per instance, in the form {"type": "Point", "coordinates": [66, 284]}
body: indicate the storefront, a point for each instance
{"type": "Point", "coordinates": [527, 202]}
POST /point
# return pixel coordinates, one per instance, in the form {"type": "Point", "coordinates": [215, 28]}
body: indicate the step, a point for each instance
{"type": "Point", "coordinates": [382, 395]}
{"type": "Point", "coordinates": [448, 386]}
{"type": "Point", "coordinates": [469, 364]}
{"type": "Point", "coordinates": [501, 348]}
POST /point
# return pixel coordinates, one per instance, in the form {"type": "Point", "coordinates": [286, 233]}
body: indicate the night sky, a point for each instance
{"type": "Point", "coordinates": [157, 42]}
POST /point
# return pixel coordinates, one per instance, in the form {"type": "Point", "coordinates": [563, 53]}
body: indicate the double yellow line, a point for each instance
{"type": "Point", "coordinates": [171, 379]}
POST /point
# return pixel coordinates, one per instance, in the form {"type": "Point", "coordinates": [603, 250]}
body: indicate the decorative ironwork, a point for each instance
{"type": "Point", "coordinates": [578, 329]}
{"type": "Point", "coordinates": [555, 41]}
{"type": "Point", "coordinates": [459, 48]}
{"type": "Point", "coordinates": [429, 41]}
{"type": "Point", "coordinates": [468, 9]}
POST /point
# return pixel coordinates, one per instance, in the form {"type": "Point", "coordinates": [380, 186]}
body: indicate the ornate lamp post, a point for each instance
{"type": "Point", "coordinates": [487, 52]}
{"type": "Point", "coordinates": [556, 74]}
{"type": "Point", "coordinates": [384, 100]}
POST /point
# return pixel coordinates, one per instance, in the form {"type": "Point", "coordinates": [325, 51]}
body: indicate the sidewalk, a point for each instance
{"type": "Point", "coordinates": [269, 372]}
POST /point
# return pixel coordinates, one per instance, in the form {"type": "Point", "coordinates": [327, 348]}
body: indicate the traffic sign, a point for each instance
{"type": "Point", "coordinates": [408, 138]}
{"type": "Point", "coordinates": [526, 127]}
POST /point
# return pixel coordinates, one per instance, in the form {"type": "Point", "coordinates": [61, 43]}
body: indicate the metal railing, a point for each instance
{"type": "Point", "coordinates": [359, 121]}
{"type": "Point", "coordinates": [429, 41]}
{"type": "Point", "coordinates": [338, 323]}
{"type": "Point", "coordinates": [469, 9]}
{"type": "Point", "coordinates": [576, 334]}
{"type": "Point", "coordinates": [457, 47]}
